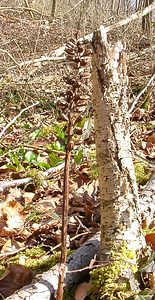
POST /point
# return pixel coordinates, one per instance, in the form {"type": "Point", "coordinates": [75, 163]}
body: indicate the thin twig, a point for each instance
{"type": "Point", "coordinates": [81, 225]}
{"type": "Point", "coordinates": [43, 149]}
{"type": "Point", "coordinates": [11, 253]}
{"type": "Point", "coordinates": [68, 11]}
{"type": "Point", "coordinates": [30, 11]}
{"type": "Point", "coordinates": [38, 60]}
{"type": "Point", "coordinates": [133, 17]}
{"type": "Point", "coordinates": [149, 163]}
{"type": "Point", "coordinates": [15, 118]}
{"type": "Point", "coordinates": [6, 52]}
{"type": "Point", "coordinates": [134, 103]}
{"type": "Point", "coordinates": [20, 8]}
{"type": "Point", "coordinates": [59, 245]}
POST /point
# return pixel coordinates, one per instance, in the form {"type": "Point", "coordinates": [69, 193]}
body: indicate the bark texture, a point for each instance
{"type": "Point", "coordinates": [120, 216]}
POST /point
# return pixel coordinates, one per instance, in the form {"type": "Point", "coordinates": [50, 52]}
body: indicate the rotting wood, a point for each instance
{"type": "Point", "coordinates": [44, 286]}
{"type": "Point", "coordinates": [120, 211]}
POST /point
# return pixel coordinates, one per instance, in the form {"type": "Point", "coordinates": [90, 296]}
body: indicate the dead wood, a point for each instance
{"type": "Point", "coordinates": [12, 183]}
{"type": "Point", "coordinates": [58, 54]}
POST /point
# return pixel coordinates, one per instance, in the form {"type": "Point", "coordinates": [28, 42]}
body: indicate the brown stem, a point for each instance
{"type": "Point", "coordinates": [65, 210]}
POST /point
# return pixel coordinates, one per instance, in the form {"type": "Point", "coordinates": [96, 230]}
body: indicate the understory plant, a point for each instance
{"type": "Point", "coordinates": [72, 108]}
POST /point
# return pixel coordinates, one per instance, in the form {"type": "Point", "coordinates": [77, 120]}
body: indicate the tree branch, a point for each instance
{"type": "Point", "coordinates": [37, 60]}
{"type": "Point", "coordinates": [88, 38]}
{"type": "Point", "coordinates": [15, 118]}
{"type": "Point", "coordinates": [44, 286]}
{"type": "Point", "coordinates": [7, 184]}
{"type": "Point", "coordinates": [135, 102]}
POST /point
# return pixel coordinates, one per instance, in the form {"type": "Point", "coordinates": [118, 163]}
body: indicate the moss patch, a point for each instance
{"type": "Point", "coordinates": [35, 259]}
{"type": "Point", "coordinates": [110, 282]}
{"type": "Point", "coordinates": [142, 174]}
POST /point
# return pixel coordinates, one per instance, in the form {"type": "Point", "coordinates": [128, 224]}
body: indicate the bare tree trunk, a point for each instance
{"type": "Point", "coordinates": [120, 220]}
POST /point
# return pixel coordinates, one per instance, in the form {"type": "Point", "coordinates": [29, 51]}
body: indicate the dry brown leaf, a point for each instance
{"type": "Point", "coordinates": [28, 196]}
{"type": "Point", "coordinates": [11, 245]}
{"type": "Point", "coordinates": [150, 240]}
{"type": "Point", "coordinates": [14, 278]}
{"type": "Point", "coordinates": [2, 241]}
{"type": "Point", "coordinates": [12, 211]}
{"type": "Point", "coordinates": [82, 291]}
{"type": "Point", "coordinates": [151, 139]}
{"type": "Point", "coordinates": [5, 231]}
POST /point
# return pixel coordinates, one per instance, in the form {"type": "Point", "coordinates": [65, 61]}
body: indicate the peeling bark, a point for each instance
{"type": "Point", "coordinates": [120, 214]}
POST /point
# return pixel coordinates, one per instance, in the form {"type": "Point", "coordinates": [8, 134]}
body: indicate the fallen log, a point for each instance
{"type": "Point", "coordinates": [58, 54]}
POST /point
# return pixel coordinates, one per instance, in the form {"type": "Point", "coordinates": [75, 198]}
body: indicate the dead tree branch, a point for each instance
{"type": "Point", "coordinates": [12, 183]}
{"type": "Point", "coordinates": [58, 54]}
{"type": "Point", "coordinates": [19, 9]}
{"type": "Point", "coordinates": [38, 60]}
{"type": "Point", "coordinates": [135, 102]}
{"type": "Point", "coordinates": [15, 118]}
{"type": "Point", "coordinates": [44, 286]}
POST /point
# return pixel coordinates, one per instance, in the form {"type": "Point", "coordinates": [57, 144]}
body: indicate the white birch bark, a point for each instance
{"type": "Point", "coordinates": [120, 218]}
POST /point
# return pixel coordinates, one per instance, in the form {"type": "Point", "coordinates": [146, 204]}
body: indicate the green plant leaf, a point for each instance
{"type": "Point", "coordinates": [36, 134]}
{"type": "Point", "coordinates": [147, 264]}
{"type": "Point", "coordinates": [54, 160]}
{"type": "Point", "coordinates": [78, 156]}
{"type": "Point", "coordinates": [14, 159]}
{"type": "Point", "coordinates": [147, 294]}
{"type": "Point", "coordinates": [30, 156]}
{"type": "Point", "coordinates": [81, 123]}
{"type": "Point", "coordinates": [42, 165]}
{"type": "Point", "coordinates": [56, 146]}
{"type": "Point", "coordinates": [1, 152]}
{"type": "Point", "coordinates": [58, 130]}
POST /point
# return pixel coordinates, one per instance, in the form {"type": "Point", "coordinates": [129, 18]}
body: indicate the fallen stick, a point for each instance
{"type": "Point", "coordinates": [135, 102]}
{"type": "Point", "coordinates": [19, 9]}
{"type": "Point", "coordinates": [16, 117]}
{"type": "Point", "coordinates": [133, 17]}
{"type": "Point", "coordinates": [12, 183]}
{"type": "Point", "coordinates": [38, 60]}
